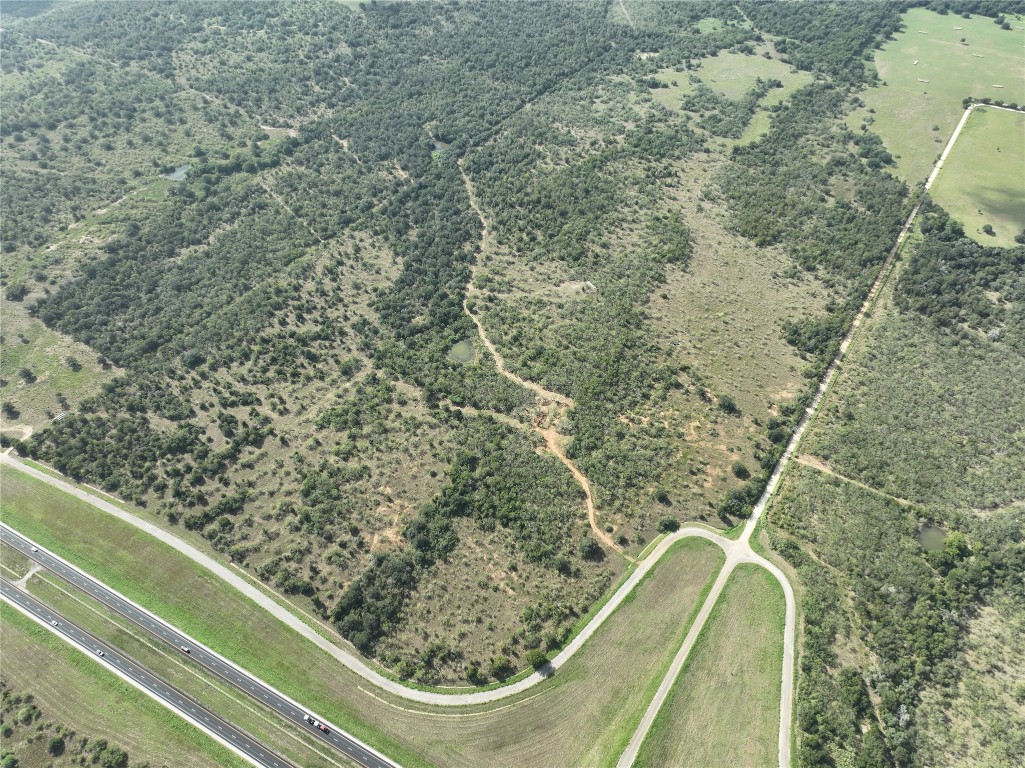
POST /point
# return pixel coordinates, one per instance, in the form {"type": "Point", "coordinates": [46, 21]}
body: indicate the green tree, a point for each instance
{"type": "Point", "coordinates": [536, 658]}
{"type": "Point", "coordinates": [668, 524]}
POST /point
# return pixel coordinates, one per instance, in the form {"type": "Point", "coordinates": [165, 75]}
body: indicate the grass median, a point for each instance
{"type": "Point", "coordinates": [80, 694]}
{"type": "Point", "coordinates": [724, 708]}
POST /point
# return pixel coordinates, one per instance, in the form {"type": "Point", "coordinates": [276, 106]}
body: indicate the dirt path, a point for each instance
{"type": "Point", "coordinates": [626, 13]}
{"type": "Point", "coordinates": [24, 429]}
{"type": "Point", "coordinates": [262, 597]}
{"type": "Point", "coordinates": [818, 464]}
{"type": "Point", "coordinates": [554, 439]}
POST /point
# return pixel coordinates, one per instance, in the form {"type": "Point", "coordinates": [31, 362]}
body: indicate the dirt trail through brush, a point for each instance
{"type": "Point", "coordinates": [554, 439]}
{"type": "Point", "coordinates": [818, 464]}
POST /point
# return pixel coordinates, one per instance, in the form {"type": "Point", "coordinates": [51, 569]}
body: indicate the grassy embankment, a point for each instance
{"type": "Point", "coordinates": [724, 708]}
{"type": "Point", "coordinates": [83, 696]}
{"type": "Point", "coordinates": [614, 676]}
{"type": "Point", "coordinates": [168, 663]}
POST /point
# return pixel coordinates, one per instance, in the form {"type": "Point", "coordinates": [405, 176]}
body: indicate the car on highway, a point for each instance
{"type": "Point", "coordinates": [100, 653]}
{"type": "Point", "coordinates": [35, 549]}
{"type": "Point", "coordinates": [185, 649]}
{"type": "Point", "coordinates": [54, 622]}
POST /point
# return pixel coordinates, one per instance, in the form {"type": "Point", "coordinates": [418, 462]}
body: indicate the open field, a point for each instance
{"type": "Point", "coordinates": [521, 732]}
{"type": "Point", "coordinates": [63, 371]}
{"type": "Point", "coordinates": [983, 179]}
{"type": "Point", "coordinates": [904, 111]}
{"type": "Point", "coordinates": [74, 691]}
{"type": "Point", "coordinates": [724, 709]}
{"type": "Point", "coordinates": [733, 75]}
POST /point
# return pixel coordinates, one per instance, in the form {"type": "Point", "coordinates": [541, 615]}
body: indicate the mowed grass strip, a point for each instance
{"type": "Point", "coordinates": [76, 692]}
{"type": "Point", "coordinates": [983, 179]}
{"type": "Point", "coordinates": [724, 708]}
{"type": "Point", "coordinates": [175, 668]}
{"type": "Point", "coordinates": [582, 716]}
{"type": "Point", "coordinates": [183, 593]}
{"type": "Point", "coordinates": [587, 712]}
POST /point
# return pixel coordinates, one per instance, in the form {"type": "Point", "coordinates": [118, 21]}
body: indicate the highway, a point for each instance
{"type": "Point", "coordinates": [348, 745]}
{"type": "Point", "coordinates": [124, 666]}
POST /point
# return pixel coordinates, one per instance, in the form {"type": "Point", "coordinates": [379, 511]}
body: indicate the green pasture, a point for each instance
{"type": "Point", "coordinates": [983, 179]}
{"type": "Point", "coordinates": [916, 119]}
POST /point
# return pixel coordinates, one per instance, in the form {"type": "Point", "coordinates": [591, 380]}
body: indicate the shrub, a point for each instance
{"type": "Point", "coordinates": [740, 471]}
{"type": "Point", "coordinates": [55, 746]}
{"type": "Point", "coordinates": [668, 524]}
{"type": "Point", "coordinates": [501, 667]}
{"type": "Point", "coordinates": [536, 658]}
{"type": "Point", "coordinates": [728, 405]}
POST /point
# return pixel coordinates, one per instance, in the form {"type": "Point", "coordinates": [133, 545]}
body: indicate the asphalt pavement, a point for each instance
{"type": "Point", "coordinates": [180, 702]}
{"type": "Point", "coordinates": [348, 745]}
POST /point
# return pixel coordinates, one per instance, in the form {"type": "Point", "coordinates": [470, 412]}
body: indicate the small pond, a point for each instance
{"type": "Point", "coordinates": [931, 537]}
{"type": "Point", "coordinates": [178, 173]}
{"type": "Point", "coordinates": [462, 352]}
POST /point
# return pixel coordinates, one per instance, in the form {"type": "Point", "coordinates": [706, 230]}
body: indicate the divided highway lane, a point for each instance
{"type": "Point", "coordinates": [170, 696]}
{"type": "Point", "coordinates": [352, 748]}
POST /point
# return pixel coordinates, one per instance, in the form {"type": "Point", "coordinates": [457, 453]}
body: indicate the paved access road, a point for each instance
{"type": "Point", "coordinates": [352, 748]}
{"type": "Point", "coordinates": [123, 666]}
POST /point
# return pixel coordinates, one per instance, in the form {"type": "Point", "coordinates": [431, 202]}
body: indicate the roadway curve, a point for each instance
{"type": "Point", "coordinates": [741, 551]}
{"type": "Point", "coordinates": [736, 551]}
{"type": "Point", "coordinates": [347, 658]}
{"type": "Point", "coordinates": [238, 678]}
{"type": "Point", "coordinates": [131, 671]}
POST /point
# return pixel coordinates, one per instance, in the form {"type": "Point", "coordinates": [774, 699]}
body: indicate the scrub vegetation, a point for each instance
{"type": "Point", "coordinates": [263, 235]}
{"type": "Point", "coordinates": [908, 514]}
{"type": "Point", "coordinates": [584, 714]}
{"type": "Point", "coordinates": [246, 245]}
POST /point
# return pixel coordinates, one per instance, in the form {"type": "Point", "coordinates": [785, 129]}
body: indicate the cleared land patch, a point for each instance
{"type": "Point", "coordinates": [904, 111]}
{"type": "Point", "coordinates": [983, 180]}
{"type": "Point", "coordinates": [43, 372]}
{"type": "Point", "coordinates": [81, 695]}
{"type": "Point", "coordinates": [733, 75]}
{"type": "Point", "coordinates": [724, 709]}
{"type": "Point", "coordinates": [591, 704]}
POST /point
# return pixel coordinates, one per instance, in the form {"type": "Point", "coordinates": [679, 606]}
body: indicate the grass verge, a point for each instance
{"type": "Point", "coordinates": [82, 695]}
{"type": "Point", "coordinates": [589, 705]}
{"type": "Point", "coordinates": [724, 708]}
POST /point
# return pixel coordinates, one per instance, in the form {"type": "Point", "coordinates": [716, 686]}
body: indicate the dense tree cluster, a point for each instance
{"type": "Point", "coordinates": [958, 282]}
